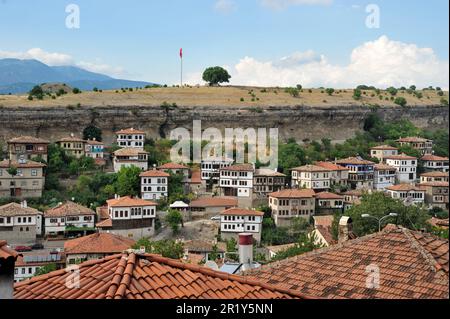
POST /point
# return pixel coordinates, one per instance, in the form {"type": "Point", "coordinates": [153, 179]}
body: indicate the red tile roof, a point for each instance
{"type": "Point", "coordinates": [130, 131]}
{"type": "Point", "coordinates": [154, 173]}
{"type": "Point", "coordinates": [241, 212]}
{"type": "Point", "coordinates": [6, 253]}
{"type": "Point", "coordinates": [94, 142]}
{"type": "Point", "coordinates": [413, 140]}
{"type": "Point", "coordinates": [215, 202]}
{"type": "Point", "coordinates": [411, 264]}
{"type": "Point", "coordinates": [132, 276]}
{"type": "Point", "coordinates": [293, 193]}
{"type": "Point", "coordinates": [27, 164]}
{"type": "Point", "coordinates": [327, 195]}
{"type": "Point", "coordinates": [326, 233]}
{"type": "Point", "coordinates": [435, 184]}
{"type": "Point", "coordinates": [129, 152]}
{"type": "Point", "coordinates": [128, 201]}
{"type": "Point", "coordinates": [434, 158]}
{"type": "Point", "coordinates": [401, 157]}
{"type": "Point", "coordinates": [28, 140]}
{"type": "Point", "coordinates": [384, 148]}
{"type": "Point", "coordinates": [239, 168]}
{"type": "Point", "coordinates": [107, 223]}
{"type": "Point", "coordinates": [14, 209]}
{"type": "Point", "coordinates": [101, 243]}
{"type": "Point", "coordinates": [71, 139]}
{"type": "Point", "coordinates": [68, 209]}
{"type": "Point", "coordinates": [405, 188]}
{"type": "Point", "coordinates": [173, 166]}
{"type": "Point", "coordinates": [331, 166]}
{"type": "Point", "coordinates": [311, 168]}
{"type": "Point", "coordinates": [384, 167]}
{"type": "Point", "coordinates": [196, 177]}
{"type": "Point", "coordinates": [354, 161]}
{"type": "Point", "coordinates": [435, 174]}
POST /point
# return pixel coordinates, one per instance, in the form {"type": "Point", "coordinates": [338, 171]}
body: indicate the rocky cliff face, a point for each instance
{"type": "Point", "coordinates": [336, 123]}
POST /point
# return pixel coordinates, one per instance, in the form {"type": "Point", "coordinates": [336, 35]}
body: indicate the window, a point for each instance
{"type": "Point", "coordinates": [34, 172]}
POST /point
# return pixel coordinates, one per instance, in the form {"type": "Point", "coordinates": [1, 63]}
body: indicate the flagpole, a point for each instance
{"type": "Point", "coordinates": [181, 56]}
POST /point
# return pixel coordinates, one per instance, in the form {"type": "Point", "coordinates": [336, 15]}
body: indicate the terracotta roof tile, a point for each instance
{"type": "Point", "coordinates": [16, 164]}
{"type": "Point", "coordinates": [434, 158]}
{"type": "Point", "coordinates": [311, 168]}
{"type": "Point", "coordinates": [68, 209]}
{"type": "Point", "coordinates": [154, 173]}
{"type": "Point", "coordinates": [172, 166]}
{"type": "Point", "coordinates": [28, 140]}
{"type": "Point", "coordinates": [327, 195]}
{"type": "Point", "coordinates": [130, 131]}
{"type": "Point", "coordinates": [404, 188]}
{"type": "Point", "coordinates": [129, 152]}
{"type": "Point", "coordinates": [435, 174]}
{"type": "Point", "coordinates": [239, 167]}
{"type": "Point", "coordinates": [241, 212]}
{"type": "Point", "coordinates": [14, 209]}
{"type": "Point", "coordinates": [128, 201]}
{"type": "Point", "coordinates": [215, 202]}
{"type": "Point", "coordinates": [411, 264]}
{"type": "Point", "coordinates": [331, 166]}
{"type": "Point", "coordinates": [413, 139]}
{"type": "Point", "coordinates": [401, 157]}
{"type": "Point", "coordinates": [131, 276]}
{"type": "Point", "coordinates": [354, 161]}
{"type": "Point", "coordinates": [384, 148]}
{"type": "Point", "coordinates": [6, 252]}
{"type": "Point", "coordinates": [294, 193]}
{"type": "Point", "coordinates": [103, 243]}
{"type": "Point", "coordinates": [196, 177]}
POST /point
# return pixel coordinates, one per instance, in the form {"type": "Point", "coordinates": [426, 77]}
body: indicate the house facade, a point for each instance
{"type": "Point", "coordinates": [361, 172]}
{"type": "Point", "coordinates": [266, 181]}
{"type": "Point", "coordinates": [236, 220]}
{"type": "Point", "coordinates": [407, 193]}
{"type": "Point", "coordinates": [95, 149]}
{"type": "Point", "coordinates": [436, 194]}
{"type": "Point", "coordinates": [21, 179]}
{"type": "Point", "coordinates": [154, 185]}
{"type": "Point", "coordinates": [210, 171]}
{"type": "Point", "coordinates": [433, 163]}
{"type": "Point", "coordinates": [384, 176]}
{"type": "Point", "coordinates": [382, 151]}
{"type": "Point", "coordinates": [237, 181]}
{"type": "Point", "coordinates": [20, 223]}
{"type": "Point", "coordinates": [329, 203]}
{"type": "Point", "coordinates": [311, 177]}
{"type": "Point", "coordinates": [127, 157]}
{"type": "Point", "coordinates": [338, 174]}
{"type": "Point", "coordinates": [73, 146]}
{"type": "Point", "coordinates": [423, 145]}
{"type": "Point", "coordinates": [131, 138]}
{"type": "Point", "coordinates": [175, 168]}
{"type": "Point", "coordinates": [28, 147]}
{"type": "Point", "coordinates": [406, 167]}
{"type": "Point", "coordinates": [288, 204]}
{"type": "Point", "coordinates": [434, 176]}
{"type": "Point", "coordinates": [129, 217]}
{"type": "Point", "coordinates": [68, 216]}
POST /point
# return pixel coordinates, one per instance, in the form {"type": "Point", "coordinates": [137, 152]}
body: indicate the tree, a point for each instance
{"type": "Point", "coordinates": [357, 94]}
{"type": "Point", "coordinates": [174, 219]}
{"type": "Point", "coordinates": [76, 91]}
{"type": "Point", "coordinates": [128, 181]}
{"type": "Point", "coordinates": [379, 205]}
{"type": "Point", "coordinates": [392, 90]}
{"type": "Point", "coordinates": [400, 101]}
{"type": "Point", "coordinates": [304, 244]}
{"type": "Point", "coordinates": [216, 75]}
{"type": "Point", "coordinates": [37, 92]}
{"type": "Point", "coordinates": [413, 87]}
{"type": "Point", "coordinates": [294, 92]}
{"type": "Point", "coordinates": [330, 91]}
{"type": "Point", "coordinates": [12, 171]}
{"type": "Point", "coordinates": [92, 132]}
{"type": "Point", "coordinates": [166, 248]}
{"type": "Point", "coordinates": [45, 269]}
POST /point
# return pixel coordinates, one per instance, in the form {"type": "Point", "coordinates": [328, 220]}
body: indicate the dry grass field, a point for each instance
{"type": "Point", "coordinates": [221, 96]}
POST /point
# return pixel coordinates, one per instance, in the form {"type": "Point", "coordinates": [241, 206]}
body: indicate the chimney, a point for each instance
{"type": "Point", "coordinates": [246, 251]}
{"type": "Point", "coordinates": [345, 228]}
{"type": "Point", "coordinates": [24, 204]}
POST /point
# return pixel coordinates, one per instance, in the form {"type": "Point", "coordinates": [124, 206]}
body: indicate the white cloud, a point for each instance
{"type": "Point", "coordinates": [60, 59]}
{"type": "Point", "coordinates": [282, 4]}
{"type": "Point", "coordinates": [225, 6]}
{"type": "Point", "coordinates": [52, 59]}
{"type": "Point", "coordinates": [381, 63]}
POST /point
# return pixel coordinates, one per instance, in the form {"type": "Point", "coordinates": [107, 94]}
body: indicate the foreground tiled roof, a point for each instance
{"type": "Point", "coordinates": [154, 173]}
{"type": "Point", "coordinates": [293, 193]}
{"type": "Point", "coordinates": [14, 209]}
{"type": "Point", "coordinates": [130, 131]}
{"type": "Point", "coordinates": [132, 276]}
{"type": "Point", "coordinates": [16, 164]}
{"type": "Point", "coordinates": [241, 212]}
{"type": "Point", "coordinates": [411, 265]}
{"type": "Point", "coordinates": [6, 253]}
{"type": "Point", "coordinates": [102, 243]}
{"type": "Point", "coordinates": [68, 209]}
{"type": "Point", "coordinates": [215, 202]}
{"type": "Point", "coordinates": [27, 140]}
{"type": "Point", "coordinates": [128, 201]}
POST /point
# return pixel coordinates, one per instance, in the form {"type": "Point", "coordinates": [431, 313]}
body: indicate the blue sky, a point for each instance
{"type": "Point", "coordinates": [140, 39]}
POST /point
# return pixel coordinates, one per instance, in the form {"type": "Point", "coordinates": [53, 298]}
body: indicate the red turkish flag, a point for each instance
{"type": "Point", "coordinates": [181, 53]}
